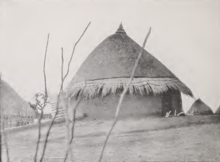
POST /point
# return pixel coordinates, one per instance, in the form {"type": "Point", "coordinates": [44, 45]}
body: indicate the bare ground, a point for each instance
{"type": "Point", "coordinates": [192, 138]}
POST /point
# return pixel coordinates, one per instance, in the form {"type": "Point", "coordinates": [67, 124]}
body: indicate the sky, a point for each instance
{"type": "Point", "coordinates": [185, 37]}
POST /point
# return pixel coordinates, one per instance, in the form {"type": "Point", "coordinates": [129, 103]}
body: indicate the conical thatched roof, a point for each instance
{"type": "Point", "coordinates": [199, 108]}
{"type": "Point", "coordinates": [218, 111]}
{"type": "Point", "coordinates": [12, 103]}
{"type": "Point", "coordinates": [110, 64]}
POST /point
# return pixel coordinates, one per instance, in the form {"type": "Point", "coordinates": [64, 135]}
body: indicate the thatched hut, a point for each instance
{"type": "Point", "coordinates": [14, 108]}
{"type": "Point", "coordinates": [218, 111]}
{"type": "Point", "coordinates": [155, 90]}
{"type": "Point", "coordinates": [199, 108]}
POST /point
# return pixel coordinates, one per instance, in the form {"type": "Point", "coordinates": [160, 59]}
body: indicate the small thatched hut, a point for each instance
{"type": "Point", "coordinates": [15, 109]}
{"type": "Point", "coordinates": [155, 90]}
{"type": "Point", "coordinates": [199, 108]}
{"type": "Point", "coordinates": [218, 111]}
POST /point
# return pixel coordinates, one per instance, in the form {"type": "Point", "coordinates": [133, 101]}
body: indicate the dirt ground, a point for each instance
{"type": "Point", "coordinates": [157, 139]}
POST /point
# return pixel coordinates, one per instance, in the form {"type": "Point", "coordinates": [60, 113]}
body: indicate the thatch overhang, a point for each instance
{"type": "Point", "coordinates": [199, 108]}
{"type": "Point", "coordinates": [108, 68]}
{"type": "Point", "coordinates": [140, 86]}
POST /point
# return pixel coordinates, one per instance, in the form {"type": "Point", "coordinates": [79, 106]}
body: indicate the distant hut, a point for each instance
{"type": "Point", "coordinates": [199, 108]}
{"type": "Point", "coordinates": [154, 91]}
{"type": "Point", "coordinates": [15, 110]}
{"type": "Point", "coordinates": [218, 111]}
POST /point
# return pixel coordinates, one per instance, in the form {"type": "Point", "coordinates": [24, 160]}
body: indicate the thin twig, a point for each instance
{"type": "Point", "coordinates": [58, 97]}
{"type": "Point", "coordinates": [74, 47]}
{"type": "Point", "coordinates": [39, 136]}
{"type": "Point", "coordinates": [69, 149]}
{"type": "Point", "coordinates": [74, 120]}
{"type": "Point", "coordinates": [123, 94]}
{"type": "Point", "coordinates": [50, 126]}
{"type": "Point", "coordinates": [45, 78]}
{"type": "Point", "coordinates": [62, 63]}
{"type": "Point", "coordinates": [41, 107]}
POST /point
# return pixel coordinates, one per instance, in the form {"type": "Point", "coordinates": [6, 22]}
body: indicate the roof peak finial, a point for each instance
{"type": "Point", "coordinates": [121, 29]}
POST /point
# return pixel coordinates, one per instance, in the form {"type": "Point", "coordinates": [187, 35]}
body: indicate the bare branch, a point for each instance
{"type": "Point", "coordinates": [45, 78]}
{"type": "Point", "coordinates": [39, 135]}
{"type": "Point", "coordinates": [59, 94]}
{"type": "Point", "coordinates": [62, 63]}
{"type": "Point", "coordinates": [45, 96]}
{"type": "Point", "coordinates": [69, 149]}
{"type": "Point", "coordinates": [123, 94]}
{"type": "Point", "coordinates": [50, 126]}
{"type": "Point", "coordinates": [74, 120]}
{"type": "Point", "coordinates": [74, 47]}
{"type": "Point", "coordinates": [53, 119]}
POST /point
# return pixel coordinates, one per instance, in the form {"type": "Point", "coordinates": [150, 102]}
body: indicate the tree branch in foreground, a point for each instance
{"type": "Point", "coordinates": [123, 94]}
{"type": "Point", "coordinates": [74, 47]}
{"type": "Point", "coordinates": [66, 116]}
{"type": "Point", "coordinates": [74, 120]}
{"type": "Point", "coordinates": [59, 94]}
{"type": "Point", "coordinates": [39, 105]}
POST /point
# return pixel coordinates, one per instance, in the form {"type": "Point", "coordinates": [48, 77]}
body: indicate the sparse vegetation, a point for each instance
{"type": "Point", "coordinates": [148, 139]}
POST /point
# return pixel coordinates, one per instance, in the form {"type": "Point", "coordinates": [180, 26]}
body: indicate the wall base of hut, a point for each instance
{"type": "Point", "coordinates": [133, 106]}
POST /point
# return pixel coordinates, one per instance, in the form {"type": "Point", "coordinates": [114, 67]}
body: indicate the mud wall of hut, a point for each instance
{"type": "Point", "coordinates": [133, 106]}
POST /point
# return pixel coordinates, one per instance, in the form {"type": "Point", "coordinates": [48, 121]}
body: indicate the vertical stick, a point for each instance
{"type": "Point", "coordinates": [65, 105]}
{"type": "Point", "coordinates": [58, 97]}
{"type": "Point", "coordinates": [123, 94]}
{"type": "Point", "coordinates": [74, 120]}
{"type": "Point", "coordinates": [45, 100]}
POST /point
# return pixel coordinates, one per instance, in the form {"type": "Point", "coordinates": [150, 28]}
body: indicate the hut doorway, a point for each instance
{"type": "Point", "coordinates": [171, 101]}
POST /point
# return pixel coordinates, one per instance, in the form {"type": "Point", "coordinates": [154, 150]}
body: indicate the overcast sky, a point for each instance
{"type": "Point", "coordinates": [185, 37]}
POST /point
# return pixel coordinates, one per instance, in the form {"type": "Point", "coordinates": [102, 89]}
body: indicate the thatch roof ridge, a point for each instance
{"type": "Point", "coordinates": [12, 103]}
{"type": "Point", "coordinates": [199, 108]}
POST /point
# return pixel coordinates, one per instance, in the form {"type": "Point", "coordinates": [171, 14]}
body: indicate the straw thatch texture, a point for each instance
{"type": "Point", "coordinates": [140, 86]}
{"type": "Point", "coordinates": [109, 66]}
{"type": "Point", "coordinates": [115, 58]}
{"type": "Point", "coordinates": [199, 108]}
{"type": "Point", "coordinates": [12, 103]}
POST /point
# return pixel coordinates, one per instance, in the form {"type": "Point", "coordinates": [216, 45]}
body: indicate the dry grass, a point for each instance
{"type": "Point", "coordinates": [194, 138]}
{"type": "Point", "coordinates": [141, 86]}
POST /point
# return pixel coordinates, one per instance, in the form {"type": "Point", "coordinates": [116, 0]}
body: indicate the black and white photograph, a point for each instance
{"type": "Point", "coordinates": [109, 80]}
